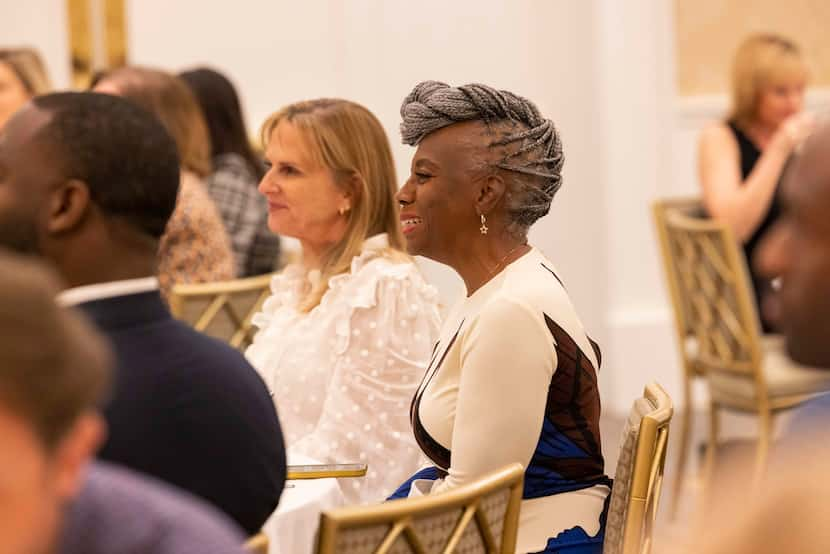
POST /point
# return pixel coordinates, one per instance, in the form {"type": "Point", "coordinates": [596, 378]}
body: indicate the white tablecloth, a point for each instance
{"type": "Point", "coordinates": [292, 528]}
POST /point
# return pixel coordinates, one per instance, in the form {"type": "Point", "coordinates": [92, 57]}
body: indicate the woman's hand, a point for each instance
{"type": "Point", "coordinates": [792, 133]}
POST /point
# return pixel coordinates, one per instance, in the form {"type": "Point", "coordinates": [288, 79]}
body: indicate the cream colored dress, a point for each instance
{"type": "Point", "coordinates": [513, 379]}
{"type": "Point", "coordinates": [343, 375]}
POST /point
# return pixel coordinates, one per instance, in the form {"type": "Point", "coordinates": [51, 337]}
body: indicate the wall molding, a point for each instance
{"type": "Point", "coordinates": [713, 106]}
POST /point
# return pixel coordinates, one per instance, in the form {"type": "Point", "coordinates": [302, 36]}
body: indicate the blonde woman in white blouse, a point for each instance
{"type": "Point", "coordinates": [346, 335]}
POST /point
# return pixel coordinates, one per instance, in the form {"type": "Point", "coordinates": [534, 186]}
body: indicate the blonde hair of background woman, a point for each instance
{"type": "Point", "coordinates": [349, 140]}
{"type": "Point", "coordinates": [28, 66]}
{"type": "Point", "coordinates": [762, 60]}
{"type": "Point", "coordinates": [170, 99]}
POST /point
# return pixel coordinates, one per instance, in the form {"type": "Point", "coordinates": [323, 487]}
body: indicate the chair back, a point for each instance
{"type": "Point", "coordinates": [672, 268]}
{"type": "Point", "coordinates": [482, 517]}
{"type": "Point", "coordinates": [639, 476]}
{"type": "Point", "coordinates": [715, 293]}
{"type": "Point", "coordinates": [258, 544]}
{"type": "Point", "coordinates": [222, 310]}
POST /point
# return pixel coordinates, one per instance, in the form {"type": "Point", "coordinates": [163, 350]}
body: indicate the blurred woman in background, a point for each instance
{"type": "Point", "coordinates": [741, 160]}
{"type": "Point", "coordinates": [22, 76]}
{"type": "Point", "coordinates": [195, 247]}
{"type": "Point", "coordinates": [237, 170]}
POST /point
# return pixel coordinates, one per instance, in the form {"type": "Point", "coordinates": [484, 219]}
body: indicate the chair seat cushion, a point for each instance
{"type": "Point", "coordinates": [783, 376]}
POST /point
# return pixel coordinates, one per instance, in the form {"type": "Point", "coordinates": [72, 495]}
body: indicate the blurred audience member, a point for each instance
{"type": "Point", "coordinates": [347, 333]}
{"type": "Point", "coordinates": [89, 183]}
{"type": "Point", "coordinates": [797, 250]}
{"type": "Point", "coordinates": [237, 170]}
{"type": "Point", "coordinates": [741, 159]}
{"type": "Point", "coordinates": [788, 513]}
{"type": "Point", "coordinates": [195, 247]}
{"type": "Point", "coordinates": [22, 76]}
{"type": "Point", "coordinates": [54, 371]}
{"type": "Point", "coordinates": [513, 378]}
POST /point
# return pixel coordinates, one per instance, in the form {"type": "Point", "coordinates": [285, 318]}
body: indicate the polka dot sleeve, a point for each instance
{"type": "Point", "coordinates": [385, 343]}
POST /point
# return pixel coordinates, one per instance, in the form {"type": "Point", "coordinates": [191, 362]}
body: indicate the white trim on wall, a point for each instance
{"type": "Point", "coordinates": [711, 106]}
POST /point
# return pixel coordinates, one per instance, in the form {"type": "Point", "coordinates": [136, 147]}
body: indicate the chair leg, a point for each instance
{"type": "Point", "coordinates": [711, 448]}
{"type": "Point", "coordinates": [764, 439]}
{"type": "Point", "coordinates": [683, 454]}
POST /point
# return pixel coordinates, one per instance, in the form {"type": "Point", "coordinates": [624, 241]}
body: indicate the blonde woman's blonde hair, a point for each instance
{"type": "Point", "coordinates": [762, 60]}
{"type": "Point", "coordinates": [170, 99]}
{"type": "Point", "coordinates": [29, 68]}
{"type": "Point", "coordinates": [349, 140]}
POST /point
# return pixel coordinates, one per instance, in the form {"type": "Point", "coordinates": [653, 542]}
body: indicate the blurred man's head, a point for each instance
{"type": "Point", "coordinates": [83, 171]}
{"type": "Point", "coordinates": [54, 371]}
{"type": "Point", "coordinates": [797, 249]}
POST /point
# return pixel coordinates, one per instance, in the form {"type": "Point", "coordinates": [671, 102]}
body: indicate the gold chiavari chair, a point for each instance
{"type": "Point", "coordinates": [683, 327]}
{"type": "Point", "coordinates": [639, 476]}
{"type": "Point", "coordinates": [223, 309]}
{"type": "Point", "coordinates": [258, 544]}
{"type": "Point", "coordinates": [744, 371]}
{"type": "Point", "coordinates": [481, 517]}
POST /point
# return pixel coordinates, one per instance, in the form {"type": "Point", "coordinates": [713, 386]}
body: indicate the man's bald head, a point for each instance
{"type": "Point", "coordinates": [811, 167]}
{"type": "Point", "coordinates": [797, 249]}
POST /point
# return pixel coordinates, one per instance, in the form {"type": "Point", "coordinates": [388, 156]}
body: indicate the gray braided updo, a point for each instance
{"type": "Point", "coordinates": [536, 160]}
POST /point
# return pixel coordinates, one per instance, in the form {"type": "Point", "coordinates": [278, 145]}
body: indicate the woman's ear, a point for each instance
{"type": "Point", "coordinates": [68, 205]}
{"type": "Point", "coordinates": [490, 192]}
{"type": "Point", "coordinates": [352, 190]}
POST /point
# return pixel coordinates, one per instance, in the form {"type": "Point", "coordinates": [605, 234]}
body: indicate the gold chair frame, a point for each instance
{"type": "Point", "coordinates": [401, 515]}
{"type": "Point", "coordinates": [221, 296]}
{"type": "Point", "coordinates": [710, 288]}
{"type": "Point", "coordinates": [294, 475]}
{"type": "Point", "coordinates": [683, 328]}
{"type": "Point", "coordinates": [647, 473]}
{"type": "Point", "coordinates": [258, 544]}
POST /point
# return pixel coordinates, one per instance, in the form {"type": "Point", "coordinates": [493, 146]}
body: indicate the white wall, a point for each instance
{"type": "Point", "coordinates": [636, 103]}
{"type": "Point", "coordinates": [374, 51]}
{"type": "Point", "coordinates": [41, 24]}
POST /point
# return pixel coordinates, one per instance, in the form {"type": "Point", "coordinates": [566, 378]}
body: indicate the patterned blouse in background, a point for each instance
{"type": "Point", "coordinates": [195, 247]}
{"type": "Point", "coordinates": [343, 375]}
{"type": "Point", "coordinates": [233, 187]}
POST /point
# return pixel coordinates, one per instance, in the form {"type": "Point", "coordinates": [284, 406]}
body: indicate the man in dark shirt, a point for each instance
{"type": "Point", "coordinates": [88, 181]}
{"type": "Point", "coordinates": [54, 370]}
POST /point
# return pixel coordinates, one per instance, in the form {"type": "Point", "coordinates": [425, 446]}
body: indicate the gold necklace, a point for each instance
{"type": "Point", "coordinates": [512, 250]}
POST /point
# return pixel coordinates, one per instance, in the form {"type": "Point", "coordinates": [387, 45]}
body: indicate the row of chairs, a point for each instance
{"type": "Point", "coordinates": [718, 334]}
{"type": "Point", "coordinates": [483, 517]}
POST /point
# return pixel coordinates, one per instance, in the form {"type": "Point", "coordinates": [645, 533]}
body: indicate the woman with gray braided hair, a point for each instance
{"type": "Point", "coordinates": [513, 376]}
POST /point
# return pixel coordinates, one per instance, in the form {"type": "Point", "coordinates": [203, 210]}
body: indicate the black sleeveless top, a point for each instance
{"type": "Point", "coordinates": [749, 157]}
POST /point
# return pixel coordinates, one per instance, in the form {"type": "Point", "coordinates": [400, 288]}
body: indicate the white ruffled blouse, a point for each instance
{"type": "Point", "coordinates": [344, 374]}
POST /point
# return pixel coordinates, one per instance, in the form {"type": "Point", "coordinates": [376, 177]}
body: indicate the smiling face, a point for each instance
{"type": "Point", "coordinates": [797, 249]}
{"type": "Point", "coordinates": [438, 202]}
{"type": "Point", "coordinates": [304, 198]}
